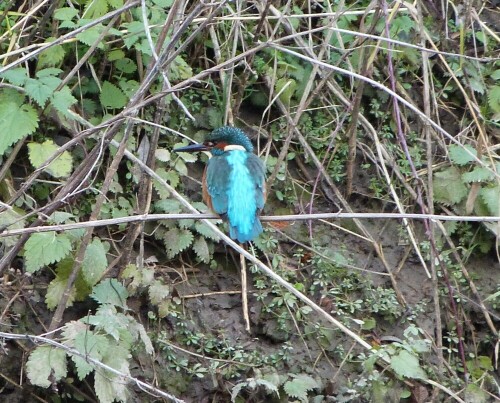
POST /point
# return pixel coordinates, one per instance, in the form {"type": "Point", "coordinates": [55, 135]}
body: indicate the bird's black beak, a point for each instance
{"type": "Point", "coordinates": [191, 148]}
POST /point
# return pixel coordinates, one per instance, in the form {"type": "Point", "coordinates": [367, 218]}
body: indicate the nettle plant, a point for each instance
{"type": "Point", "coordinates": [467, 186]}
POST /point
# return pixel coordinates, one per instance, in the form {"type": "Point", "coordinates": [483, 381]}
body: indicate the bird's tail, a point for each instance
{"type": "Point", "coordinates": [246, 236]}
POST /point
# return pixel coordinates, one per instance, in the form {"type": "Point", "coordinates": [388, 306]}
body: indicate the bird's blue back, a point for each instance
{"type": "Point", "coordinates": [236, 185]}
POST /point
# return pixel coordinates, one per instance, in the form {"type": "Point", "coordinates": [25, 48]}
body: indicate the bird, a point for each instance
{"type": "Point", "coordinates": [234, 181]}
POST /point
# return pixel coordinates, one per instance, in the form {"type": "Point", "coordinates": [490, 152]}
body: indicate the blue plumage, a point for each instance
{"type": "Point", "coordinates": [234, 181]}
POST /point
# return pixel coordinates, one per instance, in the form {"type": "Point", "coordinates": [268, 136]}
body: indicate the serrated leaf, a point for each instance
{"type": "Point", "coordinates": [52, 56]}
{"type": "Point", "coordinates": [478, 174]}
{"type": "Point", "coordinates": [162, 154]}
{"type": "Point", "coordinates": [169, 206]}
{"type": "Point", "coordinates": [16, 121]}
{"type": "Point", "coordinates": [46, 248]}
{"type": "Point", "coordinates": [95, 262]}
{"type": "Point", "coordinates": [459, 154]}
{"type": "Point", "coordinates": [158, 292]}
{"type": "Point", "coordinates": [90, 35]}
{"type": "Point", "coordinates": [16, 76]}
{"type": "Point", "coordinates": [299, 386]}
{"type": "Point", "coordinates": [9, 220]}
{"type": "Point", "coordinates": [252, 384]}
{"type": "Point", "coordinates": [63, 100]}
{"type": "Point", "coordinates": [39, 153]}
{"type": "Point", "coordinates": [406, 365]}
{"type": "Point", "coordinates": [112, 96]}
{"type": "Point", "coordinates": [56, 288]}
{"type": "Point", "coordinates": [491, 196]}
{"type": "Point", "coordinates": [200, 247]}
{"type": "Point", "coordinates": [185, 223]}
{"type": "Point", "coordinates": [180, 70]}
{"type": "Point", "coordinates": [164, 308]}
{"type": "Point", "coordinates": [206, 231]}
{"type": "Point", "coordinates": [171, 177]}
{"type": "Point", "coordinates": [59, 217]}
{"type": "Point", "coordinates": [110, 291]}
{"type": "Point", "coordinates": [55, 291]}
{"type": "Point", "coordinates": [109, 320]}
{"type": "Point", "coordinates": [494, 98]}
{"type": "Point", "coordinates": [40, 89]}
{"type": "Point", "coordinates": [115, 54]}
{"type": "Point", "coordinates": [90, 345]}
{"type": "Point", "coordinates": [95, 9]}
{"type": "Point", "coordinates": [448, 186]}
{"type": "Point", "coordinates": [71, 329]}
{"type": "Point", "coordinates": [46, 364]}
{"type": "Point", "coordinates": [126, 65]}
{"type": "Point", "coordinates": [215, 117]}
{"type": "Point", "coordinates": [177, 240]}
{"type": "Point", "coordinates": [110, 387]}
{"type": "Point", "coordinates": [65, 13]}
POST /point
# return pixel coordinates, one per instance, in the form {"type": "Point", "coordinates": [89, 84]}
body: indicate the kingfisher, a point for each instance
{"type": "Point", "coordinates": [234, 181]}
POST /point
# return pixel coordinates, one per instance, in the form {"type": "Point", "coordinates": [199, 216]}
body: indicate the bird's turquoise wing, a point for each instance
{"type": "Point", "coordinates": [258, 171]}
{"type": "Point", "coordinates": [217, 177]}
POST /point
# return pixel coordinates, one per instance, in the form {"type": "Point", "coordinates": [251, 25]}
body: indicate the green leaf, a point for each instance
{"type": "Point", "coordinates": [459, 154]}
{"type": "Point", "coordinates": [177, 240]}
{"type": "Point", "coordinates": [158, 292]}
{"type": "Point", "coordinates": [115, 54]}
{"type": "Point", "coordinates": [108, 386]}
{"type": "Point", "coordinates": [109, 320]}
{"type": "Point", "coordinates": [65, 13]}
{"type": "Point", "coordinates": [46, 248]}
{"type": "Point", "coordinates": [171, 177]}
{"type": "Point", "coordinates": [112, 96]}
{"type": "Point", "coordinates": [55, 291]}
{"type": "Point", "coordinates": [448, 186]}
{"type": "Point", "coordinates": [16, 76]}
{"type": "Point", "coordinates": [299, 386]}
{"type": "Point", "coordinates": [169, 206]}
{"type": "Point", "coordinates": [90, 35]}
{"type": "Point", "coordinates": [180, 70]}
{"type": "Point", "coordinates": [42, 87]}
{"type": "Point", "coordinates": [286, 88]}
{"type": "Point", "coordinates": [95, 9]}
{"type": "Point", "coordinates": [162, 154]}
{"type": "Point", "coordinates": [406, 365]}
{"type": "Point", "coordinates": [16, 121]}
{"type": "Point", "coordinates": [478, 174]}
{"type": "Point", "coordinates": [200, 247]}
{"type": "Point", "coordinates": [494, 98]}
{"type": "Point", "coordinates": [11, 219]}
{"type": "Point", "coordinates": [57, 286]}
{"type": "Point", "coordinates": [90, 345]}
{"type": "Point", "coordinates": [126, 65]}
{"type": "Point", "coordinates": [46, 365]}
{"type": "Point", "coordinates": [52, 56]}
{"type": "Point", "coordinates": [110, 291]}
{"type": "Point", "coordinates": [63, 100]}
{"type": "Point", "coordinates": [39, 153]}
{"type": "Point", "coordinates": [206, 231]}
{"type": "Point", "coordinates": [491, 196]}
{"type": "Point", "coordinates": [94, 262]}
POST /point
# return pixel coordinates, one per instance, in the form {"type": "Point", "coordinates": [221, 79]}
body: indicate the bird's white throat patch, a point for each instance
{"type": "Point", "coordinates": [232, 147]}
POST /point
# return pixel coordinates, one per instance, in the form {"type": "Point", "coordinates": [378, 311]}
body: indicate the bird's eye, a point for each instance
{"type": "Point", "coordinates": [210, 144]}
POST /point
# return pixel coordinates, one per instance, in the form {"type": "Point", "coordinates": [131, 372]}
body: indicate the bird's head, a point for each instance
{"type": "Point", "coordinates": [220, 141]}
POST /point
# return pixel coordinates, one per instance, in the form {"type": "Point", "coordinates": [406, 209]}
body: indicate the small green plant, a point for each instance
{"type": "Point", "coordinates": [109, 335]}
